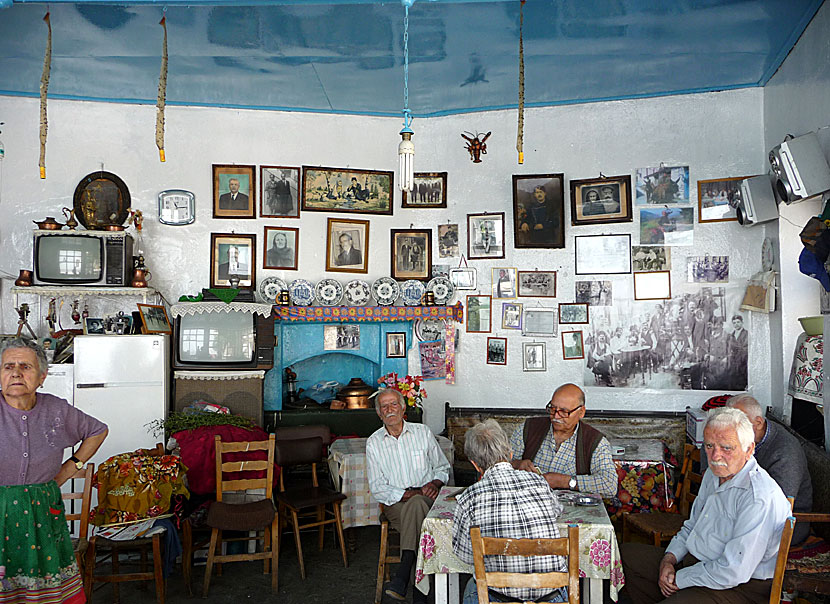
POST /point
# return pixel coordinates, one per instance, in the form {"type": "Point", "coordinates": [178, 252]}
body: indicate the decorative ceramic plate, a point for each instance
{"type": "Point", "coordinates": [411, 292]}
{"type": "Point", "coordinates": [767, 255]}
{"type": "Point", "coordinates": [270, 288]}
{"type": "Point", "coordinates": [302, 292]}
{"type": "Point", "coordinates": [429, 329]}
{"type": "Point", "coordinates": [442, 288]}
{"type": "Point", "coordinates": [357, 292]}
{"type": "Point", "coordinates": [328, 292]}
{"type": "Point", "coordinates": [385, 291]}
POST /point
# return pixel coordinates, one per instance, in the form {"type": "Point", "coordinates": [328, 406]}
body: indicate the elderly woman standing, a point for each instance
{"type": "Point", "coordinates": [36, 559]}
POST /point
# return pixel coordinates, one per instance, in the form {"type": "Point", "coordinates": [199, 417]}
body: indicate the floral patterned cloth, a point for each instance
{"type": "Point", "coordinates": [599, 555]}
{"type": "Point", "coordinates": [645, 478]}
{"type": "Point", "coordinates": [805, 375]}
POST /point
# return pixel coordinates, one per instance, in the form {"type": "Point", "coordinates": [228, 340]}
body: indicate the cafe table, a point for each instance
{"type": "Point", "coordinates": [645, 478]}
{"type": "Point", "coordinates": [599, 555]}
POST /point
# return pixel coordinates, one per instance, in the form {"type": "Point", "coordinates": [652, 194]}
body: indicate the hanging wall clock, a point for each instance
{"type": "Point", "coordinates": [177, 207]}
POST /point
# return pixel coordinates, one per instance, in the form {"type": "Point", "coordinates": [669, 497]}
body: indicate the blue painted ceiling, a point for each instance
{"type": "Point", "coordinates": [348, 57]}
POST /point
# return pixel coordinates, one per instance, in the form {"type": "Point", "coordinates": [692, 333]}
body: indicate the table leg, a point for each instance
{"type": "Point", "coordinates": [442, 588]}
{"type": "Point", "coordinates": [592, 590]}
{"type": "Point", "coordinates": [454, 588]}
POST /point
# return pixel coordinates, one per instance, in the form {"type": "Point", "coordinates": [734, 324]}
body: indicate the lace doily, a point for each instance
{"type": "Point", "coordinates": [219, 375]}
{"type": "Point", "coordinates": [193, 308]}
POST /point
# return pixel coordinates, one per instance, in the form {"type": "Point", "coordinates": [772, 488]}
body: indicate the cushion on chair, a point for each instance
{"type": "Point", "coordinates": [659, 522]}
{"type": "Point", "coordinates": [240, 516]}
{"type": "Point", "coordinates": [303, 497]}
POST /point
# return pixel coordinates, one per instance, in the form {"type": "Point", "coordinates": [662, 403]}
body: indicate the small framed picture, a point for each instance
{"type": "Point", "coordinates": [234, 191]}
{"type": "Point", "coordinates": [430, 191]}
{"type": "Point", "coordinates": [645, 258]}
{"type": "Point", "coordinates": [281, 248]}
{"type": "Point", "coordinates": [411, 253]}
{"type": "Point", "coordinates": [341, 337]}
{"type": "Point", "coordinates": [448, 241]}
{"type": "Point", "coordinates": [601, 200]}
{"type": "Point", "coordinates": [347, 245]}
{"type": "Point", "coordinates": [232, 257]}
{"type": "Point", "coordinates": [572, 345]}
{"type": "Point", "coordinates": [539, 210]}
{"type": "Point", "coordinates": [497, 351]}
{"type": "Point", "coordinates": [603, 254]}
{"type": "Point", "coordinates": [94, 326]}
{"type": "Point", "coordinates": [594, 292]}
{"type": "Point", "coordinates": [485, 236]}
{"type": "Point", "coordinates": [707, 269]}
{"type": "Point", "coordinates": [718, 198]}
{"type": "Point", "coordinates": [154, 318]}
{"type": "Point", "coordinates": [540, 322]}
{"type": "Point", "coordinates": [667, 226]}
{"type": "Point", "coordinates": [478, 314]}
{"type": "Point", "coordinates": [463, 278]}
{"type": "Point", "coordinates": [396, 345]}
{"type": "Point", "coordinates": [533, 356]}
{"type": "Point", "coordinates": [279, 197]}
{"type": "Point", "coordinates": [537, 284]}
{"type": "Point", "coordinates": [662, 185]}
{"type": "Point", "coordinates": [574, 313]}
{"type": "Point", "coordinates": [511, 315]}
{"type": "Point", "coordinates": [652, 286]}
{"type": "Point", "coordinates": [504, 282]}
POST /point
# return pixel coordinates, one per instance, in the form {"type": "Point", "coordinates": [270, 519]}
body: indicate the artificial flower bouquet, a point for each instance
{"type": "Point", "coordinates": [410, 387]}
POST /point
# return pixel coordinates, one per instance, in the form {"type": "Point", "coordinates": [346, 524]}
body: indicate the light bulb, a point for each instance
{"type": "Point", "coordinates": [406, 157]}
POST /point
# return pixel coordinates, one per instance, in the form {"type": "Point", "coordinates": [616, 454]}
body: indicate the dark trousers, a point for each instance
{"type": "Point", "coordinates": [641, 564]}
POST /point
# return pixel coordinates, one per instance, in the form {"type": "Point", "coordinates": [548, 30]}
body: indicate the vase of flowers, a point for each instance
{"type": "Point", "coordinates": [409, 386]}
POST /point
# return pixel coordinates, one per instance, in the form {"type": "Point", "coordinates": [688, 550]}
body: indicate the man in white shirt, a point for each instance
{"type": "Point", "coordinates": [726, 550]}
{"type": "Point", "coordinates": [406, 471]}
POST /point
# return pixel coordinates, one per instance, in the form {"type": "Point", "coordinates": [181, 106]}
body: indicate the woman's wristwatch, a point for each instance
{"type": "Point", "coordinates": [78, 463]}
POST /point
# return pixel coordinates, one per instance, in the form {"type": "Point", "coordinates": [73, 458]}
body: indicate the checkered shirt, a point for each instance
{"type": "Point", "coordinates": [509, 503]}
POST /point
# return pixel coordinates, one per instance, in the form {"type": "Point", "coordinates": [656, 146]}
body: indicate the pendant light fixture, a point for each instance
{"type": "Point", "coordinates": [406, 150]}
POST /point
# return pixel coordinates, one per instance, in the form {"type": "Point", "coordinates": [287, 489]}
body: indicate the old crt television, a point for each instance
{"type": "Point", "coordinates": [83, 258]}
{"type": "Point", "coordinates": [223, 340]}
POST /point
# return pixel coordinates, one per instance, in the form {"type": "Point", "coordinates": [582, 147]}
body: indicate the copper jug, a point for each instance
{"type": "Point", "coordinates": [355, 394]}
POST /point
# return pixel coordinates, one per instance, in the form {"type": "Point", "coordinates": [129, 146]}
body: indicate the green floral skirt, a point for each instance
{"type": "Point", "coordinates": [37, 564]}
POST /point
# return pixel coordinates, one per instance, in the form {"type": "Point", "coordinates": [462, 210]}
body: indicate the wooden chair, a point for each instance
{"type": "Point", "coordinates": [491, 546]}
{"type": "Point", "coordinates": [662, 526]}
{"type": "Point", "coordinates": [246, 517]}
{"type": "Point", "coordinates": [781, 561]}
{"type": "Point", "coordinates": [293, 501]}
{"type": "Point", "coordinates": [387, 555]}
{"type": "Point", "coordinates": [84, 494]}
{"type": "Point", "coordinates": [807, 582]}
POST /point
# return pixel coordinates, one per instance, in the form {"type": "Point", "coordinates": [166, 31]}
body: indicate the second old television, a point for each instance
{"type": "Point", "coordinates": [223, 340]}
{"type": "Point", "coordinates": [95, 258]}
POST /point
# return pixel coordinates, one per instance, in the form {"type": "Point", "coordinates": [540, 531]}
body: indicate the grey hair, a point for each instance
{"type": "Point", "coordinates": [750, 405]}
{"type": "Point", "coordinates": [396, 393]}
{"type": "Point", "coordinates": [42, 362]}
{"type": "Point", "coordinates": [726, 417]}
{"type": "Point", "coordinates": [486, 444]}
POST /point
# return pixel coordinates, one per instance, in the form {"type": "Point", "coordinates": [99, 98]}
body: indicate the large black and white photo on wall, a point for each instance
{"type": "Point", "coordinates": [281, 248]}
{"type": "Point", "coordinates": [347, 245]}
{"type": "Point", "coordinates": [707, 269]}
{"type": "Point", "coordinates": [485, 236]}
{"type": "Point", "coordinates": [448, 241]}
{"type": "Point", "coordinates": [411, 253]}
{"type": "Point", "coordinates": [537, 284]}
{"type": "Point", "coordinates": [232, 260]}
{"type": "Point", "coordinates": [430, 191]}
{"type": "Point", "coordinates": [718, 198]}
{"type": "Point", "coordinates": [539, 210]}
{"type": "Point", "coordinates": [601, 200]}
{"type": "Point", "coordinates": [603, 254]}
{"type": "Point", "coordinates": [533, 356]}
{"type": "Point", "coordinates": [645, 258]}
{"type": "Point", "coordinates": [667, 226]}
{"type": "Point", "coordinates": [593, 293]}
{"type": "Point", "coordinates": [662, 185]}
{"type": "Point", "coordinates": [280, 194]}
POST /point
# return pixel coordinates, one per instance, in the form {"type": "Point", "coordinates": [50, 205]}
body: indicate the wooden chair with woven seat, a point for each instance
{"type": "Point", "coordinates": [662, 526]}
{"type": "Point", "coordinates": [390, 552]}
{"type": "Point", "coordinates": [80, 502]}
{"type": "Point", "coordinates": [253, 516]}
{"type": "Point", "coordinates": [494, 546]}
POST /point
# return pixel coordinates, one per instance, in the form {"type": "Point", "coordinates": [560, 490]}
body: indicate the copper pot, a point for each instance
{"type": "Point", "coordinates": [48, 224]}
{"type": "Point", "coordinates": [24, 279]}
{"type": "Point", "coordinates": [355, 394]}
{"type": "Point", "coordinates": [112, 227]}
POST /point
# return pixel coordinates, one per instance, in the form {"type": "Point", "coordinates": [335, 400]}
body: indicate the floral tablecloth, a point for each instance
{"type": "Point", "coordinates": [805, 375]}
{"type": "Point", "coordinates": [599, 554]}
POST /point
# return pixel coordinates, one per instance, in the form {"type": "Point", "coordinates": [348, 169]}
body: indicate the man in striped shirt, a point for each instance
{"type": "Point", "coordinates": [406, 471]}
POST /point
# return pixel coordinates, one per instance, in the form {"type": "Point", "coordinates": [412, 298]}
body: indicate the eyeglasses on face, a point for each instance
{"type": "Point", "coordinates": [561, 412]}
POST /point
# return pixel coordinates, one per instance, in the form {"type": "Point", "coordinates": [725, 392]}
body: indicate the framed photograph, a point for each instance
{"type": "Point", "coordinates": [537, 284]}
{"type": "Point", "coordinates": [441, 270]}
{"type": "Point", "coordinates": [511, 315]}
{"type": "Point", "coordinates": [347, 190]}
{"type": "Point", "coordinates": [593, 293]}
{"type": "Point", "coordinates": [485, 236]}
{"type": "Point", "coordinates": [448, 241]}
{"type": "Point", "coordinates": [572, 347]}
{"type": "Point", "coordinates": [411, 253]}
{"type": "Point", "coordinates": [478, 314]}
{"type": "Point", "coordinates": [539, 210]}
{"type": "Point", "coordinates": [533, 356]}
{"type": "Point", "coordinates": [341, 337]}
{"type": "Point", "coordinates": [603, 254]}
{"type": "Point", "coordinates": [497, 351]}
{"type": "Point", "coordinates": [234, 191]}
{"type": "Point", "coordinates": [232, 257]}
{"type": "Point", "coordinates": [652, 286]}
{"type": "Point", "coordinates": [280, 194]}
{"type": "Point", "coordinates": [95, 326]}
{"type": "Point", "coordinates": [154, 318]}
{"type": "Point", "coordinates": [540, 322]}
{"type": "Point", "coordinates": [396, 345]}
{"type": "Point", "coordinates": [718, 198]}
{"type": "Point", "coordinates": [667, 226]}
{"type": "Point", "coordinates": [463, 278]}
{"type": "Point", "coordinates": [601, 200]}
{"type": "Point", "coordinates": [645, 258]}
{"type": "Point", "coordinates": [281, 247]}
{"type": "Point", "coordinates": [662, 185]}
{"type": "Point", "coordinates": [574, 313]}
{"type": "Point", "coordinates": [347, 245]}
{"type": "Point", "coordinates": [504, 282]}
{"type": "Point", "coordinates": [430, 191]}
{"type": "Point", "coordinates": [707, 269]}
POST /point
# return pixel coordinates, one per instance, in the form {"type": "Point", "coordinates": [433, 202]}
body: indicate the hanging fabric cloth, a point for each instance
{"type": "Point", "coordinates": [162, 93]}
{"type": "Point", "coordinates": [44, 88]}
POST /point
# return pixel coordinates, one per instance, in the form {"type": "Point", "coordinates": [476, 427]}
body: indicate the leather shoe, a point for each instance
{"type": "Point", "coordinates": [390, 591]}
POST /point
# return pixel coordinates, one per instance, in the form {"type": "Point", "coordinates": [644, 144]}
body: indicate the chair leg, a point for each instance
{"type": "Point", "coordinates": [266, 547]}
{"type": "Point", "coordinates": [158, 575]}
{"type": "Point", "coordinates": [296, 522]}
{"type": "Point", "coordinates": [214, 542]}
{"type": "Point", "coordinates": [658, 538]}
{"type": "Point", "coordinates": [187, 554]}
{"type": "Point", "coordinates": [275, 554]}
{"type": "Point", "coordinates": [321, 515]}
{"type": "Point", "coordinates": [89, 569]}
{"type": "Point", "coordinates": [384, 535]}
{"type": "Point", "coordinates": [116, 594]}
{"type": "Point", "coordinates": [340, 533]}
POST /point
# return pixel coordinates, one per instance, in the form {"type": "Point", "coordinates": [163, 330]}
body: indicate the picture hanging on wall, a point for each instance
{"type": "Point", "coordinates": [341, 337]}
{"type": "Point", "coordinates": [347, 190]}
{"type": "Point", "coordinates": [430, 191]}
{"type": "Point", "coordinates": [603, 254]}
{"type": "Point", "coordinates": [574, 313]}
{"type": "Point", "coordinates": [646, 258]}
{"type": "Point", "coordinates": [396, 345]}
{"type": "Point", "coordinates": [511, 316]}
{"type": "Point", "coordinates": [504, 282]}
{"type": "Point", "coordinates": [280, 194]}
{"type": "Point", "coordinates": [281, 248]}
{"type": "Point", "coordinates": [533, 356]}
{"type": "Point", "coordinates": [497, 351]}
{"type": "Point", "coordinates": [718, 198]}
{"type": "Point", "coordinates": [601, 200]}
{"type": "Point", "coordinates": [662, 185]}
{"type": "Point", "coordinates": [537, 284]}
{"type": "Point", "coordinates": [347, 245]}
{"type": "Point", "coordinates": [667, 226]}
{"type": "Point", "coordinates": [234, 191]}
{"type": "Point", "coordinates": [485, 236]}
{"type": "Point", "coordinates": [539, 210]}
{"type": "Point", "coordinates": [540, 322]}
{"type": "Point", "coordinates": [572, 347]}
{"type": "Point", "coordinates": [707, 269]}
{"type": "Point", "coordinates": [478, 314]}
{"type": "Point", "coordinates": [433, 360]}
{"type": "Point", "coordinates": [593, 293]}
{"type": "Point", "coordinates": [463, 278]}
{"type": "Point", "coordinates": [448, 241]}
{"type": "Point", "coordinates": [652, 286]}
{"type": "Point", "coordinates": [411, 253]}
{"type": "Point", "coordinates": [232, 256]}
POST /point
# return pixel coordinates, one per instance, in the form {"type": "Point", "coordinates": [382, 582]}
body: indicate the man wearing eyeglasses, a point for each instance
{"type": "Point", "coordinates": [569, 453]}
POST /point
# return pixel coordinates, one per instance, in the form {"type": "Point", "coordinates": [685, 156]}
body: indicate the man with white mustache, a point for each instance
{"type": "Point", "coordinates": [726, 551]}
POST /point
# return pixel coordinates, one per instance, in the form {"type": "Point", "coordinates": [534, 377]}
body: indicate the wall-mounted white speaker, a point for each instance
{"type": "Point", "coordinates": [758, 203]}
{"type": "Point", "coordinates": [799, 168]}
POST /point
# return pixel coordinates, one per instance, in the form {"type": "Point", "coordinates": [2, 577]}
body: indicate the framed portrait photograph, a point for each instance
{"type": "Point", "coordinates": [718, 198]}
{"type": "Point", "coordinates": [448, 241]}
{"type": "Point", "coordinates": [347, 245]}
{"type": "Point", "coordinates": [601, 200]}
{"type": "Point", "coordinates": [603, 254]}
{"type": "Point", "coordinates": [154, 318]}
{"type": "Point", "coordinates": [662, 185]}
{"type": "Point", "coordinates": [280, 192]}
{"type": "Point", "coordinates": [645, 258]}
{"type": "Point", "coordinates": [572, 347]}
{"type": "Point", "coordinates": [573, 313]}
{"type": "Point", "coordinates": [504, 282]}
{"type": "Point", "coordinates": [478, 314]}
{"type": "Point", "coordinates": [540, 322]}
{"type": "Point", "coordinates": [396, 345]}
{"type": "Point", "coordinates": [281, 248]}
{"type": "Point", "coordinates": [232, 257]}
{"type": "Point", "coordinates": [537, 284]}
{"type": "Point", "coordinates": [411, 253]}
{"type": "Point", "coordinates": [511, 315]}
{"type": "Point", "coordinates": [429, 191]}
{"type": "Point", "coordinates": [667, 226]}
{"type": "Point", "coordinates": [234, 191]}
{"type": "Point", "coordinates": [539, 210]}
{"type": "Point", "coordinates": [533, 356]}
{"type": "Point", "coordinates": [94, 326]}
{"type": "Point", "coordinates": [485, 236]}
{"type": "Point", "coordinates": [463, 278]}
{"type": "Point", "coordinates": [497, 351]}
{"type": "Point", "coordinates": [652, 286]}
{"type": "Point", "coordinates": [347, 190]}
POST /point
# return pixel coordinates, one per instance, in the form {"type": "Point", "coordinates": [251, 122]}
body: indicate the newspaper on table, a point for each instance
{"type": "Point", "coordinates": [130, 531]}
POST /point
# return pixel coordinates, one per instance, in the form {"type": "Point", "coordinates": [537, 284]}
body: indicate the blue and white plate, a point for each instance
{"type": "Point", "coordinates": [302, 292]}
{"type": "Point", "coordinates": [328, 292]}
{"type": "Point", "coordinates": [385, 291]}
{"type": "Point", "coordinates": [270, 288]}
{"type": "Point", "coordinates": [357, 292]}
{"type": "Point", "coordinates": [442, 288]}
{"type": "Point", "coordinates": [412, 291]}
